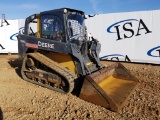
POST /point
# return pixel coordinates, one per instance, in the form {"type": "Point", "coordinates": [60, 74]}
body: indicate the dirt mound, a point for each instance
{"type": "Point", "coordinates": [22, 100]}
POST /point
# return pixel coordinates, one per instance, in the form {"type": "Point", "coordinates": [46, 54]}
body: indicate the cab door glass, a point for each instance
{"type": "Point", "coordinates": [52, 27]}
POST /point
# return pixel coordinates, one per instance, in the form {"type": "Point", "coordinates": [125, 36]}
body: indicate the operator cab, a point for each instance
{"type": "Point", "coordinates": [64, 25]}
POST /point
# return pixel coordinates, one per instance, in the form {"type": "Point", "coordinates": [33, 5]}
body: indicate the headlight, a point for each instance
{"type": "Point", "coordinates": [65, 10]}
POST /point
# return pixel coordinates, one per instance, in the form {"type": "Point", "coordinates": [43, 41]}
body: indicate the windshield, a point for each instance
{"type": "Point", "coordinates": [76, 25]}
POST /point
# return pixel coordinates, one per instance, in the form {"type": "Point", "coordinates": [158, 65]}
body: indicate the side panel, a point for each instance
{"type": "Point", "coordinates": [29, 42]}
{"type": "Point", "coordinates": [41, 44]}
{"type": "Point", "coordinates": [64, 60]}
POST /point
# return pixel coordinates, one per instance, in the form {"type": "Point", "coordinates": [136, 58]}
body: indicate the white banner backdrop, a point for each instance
{"type": "Point", "coordinates": [131, 36]}
{"type": "Point", "coordinates": [8, 33]}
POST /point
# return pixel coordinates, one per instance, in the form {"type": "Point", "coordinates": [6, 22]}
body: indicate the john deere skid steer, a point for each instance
{"type": "Point", "coordinates": [57, 55]}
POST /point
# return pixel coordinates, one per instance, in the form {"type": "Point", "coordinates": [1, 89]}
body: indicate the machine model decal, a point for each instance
{"type": "Point", "coordinates": [45, 45]}
{"type": "Point", "coordinates": [124, 26]}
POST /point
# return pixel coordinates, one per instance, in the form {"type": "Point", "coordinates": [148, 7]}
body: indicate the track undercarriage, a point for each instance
{"type": "Point", "coordinates": [40, 70]}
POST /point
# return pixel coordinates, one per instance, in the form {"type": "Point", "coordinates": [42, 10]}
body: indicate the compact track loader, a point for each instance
{"type": "Point", "coordinates": [58, 55]}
